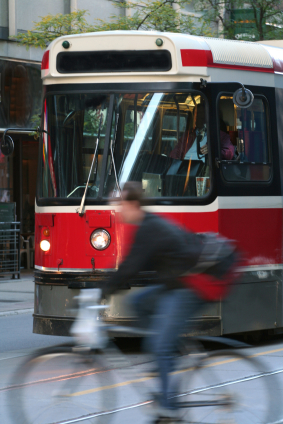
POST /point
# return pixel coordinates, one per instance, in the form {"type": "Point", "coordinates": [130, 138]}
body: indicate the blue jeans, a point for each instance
{"type": "Point", "coordinates": [167, 314]}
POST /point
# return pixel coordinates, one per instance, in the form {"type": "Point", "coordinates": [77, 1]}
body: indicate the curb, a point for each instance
{"type": "Point", "coordinates": [16, 312]}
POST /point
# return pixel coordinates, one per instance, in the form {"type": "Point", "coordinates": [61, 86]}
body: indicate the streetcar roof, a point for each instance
{"type": "Point", "coordinates": [192, 57]}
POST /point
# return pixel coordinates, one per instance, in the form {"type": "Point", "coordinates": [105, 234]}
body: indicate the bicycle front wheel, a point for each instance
{"type": "Point", "coordinates": [61, 384]}
{"type": "Point", "coordinates": [228, 387]}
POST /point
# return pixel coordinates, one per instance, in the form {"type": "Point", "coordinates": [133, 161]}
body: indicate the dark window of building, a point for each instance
{"type": "Point", "coordinates": [29, 179]}
{"type": "Point", "coordinates": [20, 93]}
{"type": "Point", "coordinates": [4, 20]}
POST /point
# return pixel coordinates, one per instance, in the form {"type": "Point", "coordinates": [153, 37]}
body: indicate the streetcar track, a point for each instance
{"type": "Point", "coordinates": [95, 371]}
{"type": "Point", "coordinates": [78, 374]}
{"type": "Point", "coordinates": [148, 402]}
{"type": "Point", "coordinates": [101, 414]}
{"type": "Point", "coordinates": [53, 379]}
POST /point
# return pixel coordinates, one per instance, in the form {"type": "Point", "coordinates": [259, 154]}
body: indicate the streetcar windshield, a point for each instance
{"type": "Point", "coordinates": [159, 139]}
{"type": "Point", "coordinates": [71, 123]}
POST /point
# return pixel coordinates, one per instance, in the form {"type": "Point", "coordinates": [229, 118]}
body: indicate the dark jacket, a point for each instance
{"type": "Point", "coordinates": [161, 246]}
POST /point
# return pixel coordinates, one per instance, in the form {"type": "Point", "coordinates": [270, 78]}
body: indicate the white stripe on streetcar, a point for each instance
{"type": "Point", "coordinates": [228, 202]}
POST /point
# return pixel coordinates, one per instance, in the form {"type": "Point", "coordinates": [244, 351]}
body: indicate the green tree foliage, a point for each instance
{"type": "Point", "coordinates": [156, 15]}
{"type": "Point", "coordinates": [252, 20]}
{"type": "Point", "coordinates": [53, 26]}
{"type": "Point", "coordinates": [160, 15]}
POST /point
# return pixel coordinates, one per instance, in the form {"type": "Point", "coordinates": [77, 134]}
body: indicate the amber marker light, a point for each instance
{"type": "Point", "coordinates": [45, 245]}
{"type": "Point", "coordinates": [46, 232]}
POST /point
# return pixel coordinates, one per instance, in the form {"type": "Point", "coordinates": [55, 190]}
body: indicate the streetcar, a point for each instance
{"type": "Point", "coordinates": [159, 108]}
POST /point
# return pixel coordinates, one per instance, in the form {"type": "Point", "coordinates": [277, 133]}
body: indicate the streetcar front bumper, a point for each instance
{"type": "Point", "coordinates": [54, 302]}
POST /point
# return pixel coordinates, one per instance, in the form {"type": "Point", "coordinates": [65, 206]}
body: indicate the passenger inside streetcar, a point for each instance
{"type": "Point", "coordinates": [247, 129]}
{"type": "Point", "coordinates": [187, 145]}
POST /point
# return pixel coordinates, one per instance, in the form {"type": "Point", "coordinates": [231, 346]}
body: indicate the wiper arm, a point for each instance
{"type": "Point", "coordinates": [81, 208]}
{"type": "Point", "coordinates": [112, 144]}
{"type": "Point", "coordinates": [114, 167]}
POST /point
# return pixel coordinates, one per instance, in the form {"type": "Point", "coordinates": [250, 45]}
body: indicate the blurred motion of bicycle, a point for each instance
{"type": "Point", "coordinates": [90, 380]}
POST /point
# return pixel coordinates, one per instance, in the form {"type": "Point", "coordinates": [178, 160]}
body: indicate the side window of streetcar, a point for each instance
{"type": "Point", "coordinates": [244, 144]}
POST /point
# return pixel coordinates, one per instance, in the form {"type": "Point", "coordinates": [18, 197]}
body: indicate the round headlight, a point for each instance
{"type": "Point", "coordinates": [44, 245]}
{"type": "Point", "coordinates": [100, 239]}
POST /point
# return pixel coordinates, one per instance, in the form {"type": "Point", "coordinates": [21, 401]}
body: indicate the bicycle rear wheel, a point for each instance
{"type": "Point", "coordinates": [228, 387]}
{"type": "Point", "coordinates": [60, 384]}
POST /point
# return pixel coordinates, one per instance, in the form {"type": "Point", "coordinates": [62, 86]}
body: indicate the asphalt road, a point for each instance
{"type": "Point", "coordinates": [96, 382]}
{"type": "Point", "coordinates": [16, 334]}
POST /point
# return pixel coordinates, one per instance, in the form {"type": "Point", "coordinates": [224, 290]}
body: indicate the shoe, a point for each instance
{"type": "Point", "coordinates": [163, 415]}
{"type": "Point", "coordinates": [167, 420]}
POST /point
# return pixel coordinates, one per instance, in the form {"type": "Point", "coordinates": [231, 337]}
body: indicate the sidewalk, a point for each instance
{"type": "Point", "coordinates": [17, 296]}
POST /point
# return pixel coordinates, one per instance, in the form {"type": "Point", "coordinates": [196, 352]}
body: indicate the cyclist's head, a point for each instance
{"type": "Point", "coordinates": [132, 191]}
{"type": "Point", "coordinates": [132, 198]}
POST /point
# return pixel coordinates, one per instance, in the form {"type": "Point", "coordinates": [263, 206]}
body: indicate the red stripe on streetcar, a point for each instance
{"type": "Point", "coordinates": [276, 56]}
{"type": "Point", "coordinates": [45, 60]}
{"type": "Point", "coordinates": [242, 68]}
{"type": "Point", "coordinates": [277, 64]}
{"type": "Point", "coordinates": [193, 57]}
{"type": "Point", "coordinates": [259, 247]}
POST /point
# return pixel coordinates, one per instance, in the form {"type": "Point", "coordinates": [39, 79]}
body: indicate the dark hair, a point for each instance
{"type": "Point", "coordinates": [132, 191]}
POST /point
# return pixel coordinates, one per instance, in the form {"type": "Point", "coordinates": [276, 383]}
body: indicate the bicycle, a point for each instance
{"type": "Point", "coordinates": [78, 382]}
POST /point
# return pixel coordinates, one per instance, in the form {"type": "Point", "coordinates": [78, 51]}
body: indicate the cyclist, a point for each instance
{"type": "Point", "coordinates": [167, 305]}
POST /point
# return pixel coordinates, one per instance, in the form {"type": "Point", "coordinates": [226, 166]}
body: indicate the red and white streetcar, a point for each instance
{"type": "Point", "coordinates": [198, 122]}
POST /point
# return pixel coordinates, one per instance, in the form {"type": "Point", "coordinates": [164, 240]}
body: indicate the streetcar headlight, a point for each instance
{"type": "Point", "coordinates": [100, 239]}
{"type": "Point", "coordinates": [44, 245]}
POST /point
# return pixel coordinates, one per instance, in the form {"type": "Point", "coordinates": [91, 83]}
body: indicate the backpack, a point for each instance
{"type": "Point", "coordinates": [215, 271]}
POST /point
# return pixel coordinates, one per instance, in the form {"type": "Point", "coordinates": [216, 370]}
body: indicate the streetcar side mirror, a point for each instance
{"type": "Point", "coordinates": [243, 97]}
{"type": "Point", "coordinates": [7, 145]}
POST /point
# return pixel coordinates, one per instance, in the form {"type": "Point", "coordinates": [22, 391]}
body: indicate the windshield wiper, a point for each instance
{"type": "Point", "coordinates": [81, 208]}
{"type": "Point", "coordinates": [112, 146]}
